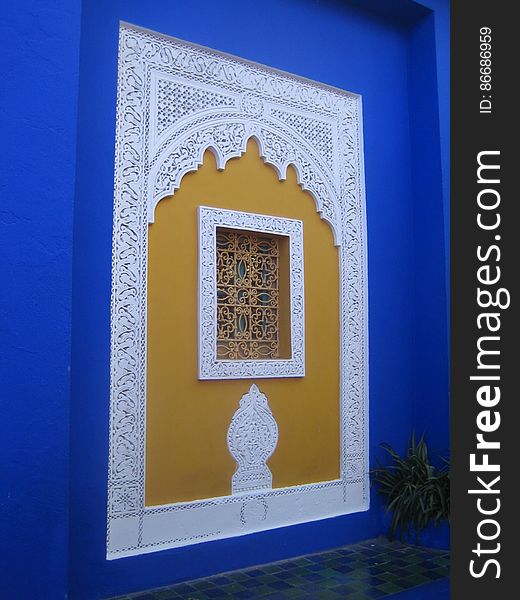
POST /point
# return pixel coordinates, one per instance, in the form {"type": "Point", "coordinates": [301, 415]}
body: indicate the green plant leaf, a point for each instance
{"type": "Point", "coordinates": [417, 493]}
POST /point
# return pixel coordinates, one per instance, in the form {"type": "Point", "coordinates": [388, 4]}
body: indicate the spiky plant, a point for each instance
{"type": "Point", "coordinates": [416, 492]}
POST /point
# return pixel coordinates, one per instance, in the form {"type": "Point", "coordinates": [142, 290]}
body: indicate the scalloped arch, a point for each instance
{"type": "Point", "coordinates": [269, 158]}
{"type": "Point", "coordinates": [228, 139]}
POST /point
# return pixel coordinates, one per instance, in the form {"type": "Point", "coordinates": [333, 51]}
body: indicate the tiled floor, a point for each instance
{"type": "Point", "coordinates": [365, 571]}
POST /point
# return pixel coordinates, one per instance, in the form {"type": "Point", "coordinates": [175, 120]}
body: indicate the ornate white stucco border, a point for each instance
{"type": "Point", "coordinates": [174, 101]}
{"type": "Point", "coordinates": [209, 366]}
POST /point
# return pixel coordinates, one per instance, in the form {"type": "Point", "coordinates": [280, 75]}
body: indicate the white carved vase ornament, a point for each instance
{"type": "Point", "coordinates": [252, 438]}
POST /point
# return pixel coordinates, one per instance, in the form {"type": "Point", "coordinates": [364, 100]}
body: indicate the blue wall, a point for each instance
{"type": "Point", "coordinates": [38, 102]}
{"type": "Point", "coordinates": [431, 341]}
{"type": "Point", "coordinates": [391, 52]}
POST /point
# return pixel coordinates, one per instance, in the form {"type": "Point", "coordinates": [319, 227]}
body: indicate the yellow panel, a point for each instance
{"type": "Point", "coordinates": [187, 419]}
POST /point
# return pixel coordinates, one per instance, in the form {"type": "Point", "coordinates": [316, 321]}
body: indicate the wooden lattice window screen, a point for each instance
{"type": "Point", "coordinates": [248, 295]}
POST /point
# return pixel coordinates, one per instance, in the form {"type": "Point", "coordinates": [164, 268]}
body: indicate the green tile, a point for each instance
{"type": "Point", "coordinates": [390, 577]}
{"type": "Point", "coordinates": [357, 556]}
{"type": "Point", "coordinates": [416, 569]}
{"type": "Point", "coordinates": [330, 595]}
{"type": "Point", "coordinates": [410, 569]}
{"type": "Point", "coordinates": [332, 564]}
{"type": "Point", "coordinates": [356, 564]}
{"type": "Point", "coordinates": [299, 570]}
{"type": "Point", "coordinates": [359, 574]}
{"type": "Point", "coordinates": [328, 574]}
{"type": "Point", "coordinates": [297, 581]}
{"type": "Point", "coordinates": [266, 579]}
{"type": "Point", "coordinates": [389, 588]}
{"type": "Point", "coordinates": [330, 582]}
{"type": "Point", "coordinates": [359, 585]}
{"type": "Point", "coordinates": [233, 588]}
{"type": "Point", "coordinates": [413, 560]}
{"type": "Point", "coordinates": [443, 562]}
{"type": "Point", "coordinates": [293, 592]}
{"type": "Point", "coordinates": [270, 569]}
{"type": "Point", "coordinates": [417, 579]}
{"type": "Point", "coordinates": [405, 584]}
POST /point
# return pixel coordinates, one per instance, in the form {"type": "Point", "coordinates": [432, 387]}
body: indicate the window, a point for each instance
{"type": "Point", "coordinates": [248, 295]}
{"type": "Point", "coordinates": [251, 295]}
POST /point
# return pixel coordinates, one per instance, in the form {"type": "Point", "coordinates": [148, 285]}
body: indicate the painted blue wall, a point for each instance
{"type": "Point", "coordinates": [38, 102]}
{"type": "Point", "coordinates": [394, 53]}
{"type": "Point", "coordinates": [431, 335]}
{"type": "Point", "coordinates": [392, 62]}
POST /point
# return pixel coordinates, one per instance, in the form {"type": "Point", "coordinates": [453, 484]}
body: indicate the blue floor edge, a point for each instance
{"type": "Point", "coordinates": [437, 590]}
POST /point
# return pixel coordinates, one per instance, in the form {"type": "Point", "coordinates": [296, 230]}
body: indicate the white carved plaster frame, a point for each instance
{"type": "Point", "coordinates": [315, 128]}
{"type": "Point", "coordinates": [209, 366]}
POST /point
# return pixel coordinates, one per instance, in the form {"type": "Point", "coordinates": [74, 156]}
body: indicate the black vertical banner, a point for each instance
{"type": "Point", "coordinates": [485, 268]}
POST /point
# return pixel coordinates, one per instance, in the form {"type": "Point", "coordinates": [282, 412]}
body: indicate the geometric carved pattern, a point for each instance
{"type": "Point", "coordinates": [239, 346]}
{"type": "Point", "coordinates": [158, 141]}
{"type": "Point", "coordinates": [252, 438]}
{"type": "Point", "coordinates": [317, 132]}
{"type": "Point", "coordinates": [175, 101]}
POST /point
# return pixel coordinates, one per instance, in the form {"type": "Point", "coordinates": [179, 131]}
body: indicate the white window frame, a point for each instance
{"type": "Point", "coordinates": [210, 367]}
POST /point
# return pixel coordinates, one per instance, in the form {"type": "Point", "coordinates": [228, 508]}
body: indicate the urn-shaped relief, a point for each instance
{"type": "Point", "coordinates": [252, 439]}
